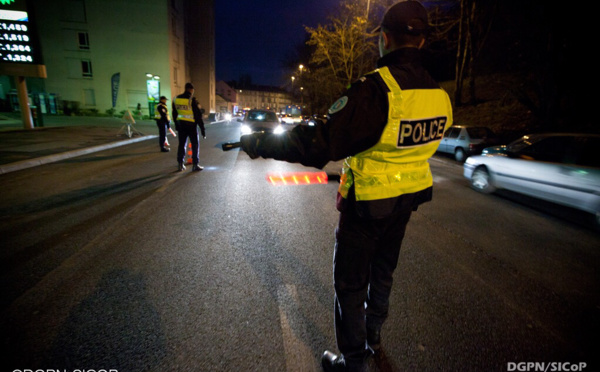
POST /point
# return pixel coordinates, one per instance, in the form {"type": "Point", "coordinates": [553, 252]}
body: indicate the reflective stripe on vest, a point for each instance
{"type": "Point", "coordinates": [157, 113]}
{"type": "Point", "coordinates": [184, 109]}
{"type": "Point", "coordinates": [397, 164]}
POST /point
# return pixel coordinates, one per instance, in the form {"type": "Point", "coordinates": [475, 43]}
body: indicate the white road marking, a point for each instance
{"type": "Point", "coordinates": [298, 356]}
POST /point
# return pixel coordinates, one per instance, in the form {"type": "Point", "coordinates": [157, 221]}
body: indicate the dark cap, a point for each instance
{"type": "Point", "coordinates": [188, 86]}
{"type": "Point", "coordinates": [407, 16]}
{"type": "Point", "coordinates": [163, 97]}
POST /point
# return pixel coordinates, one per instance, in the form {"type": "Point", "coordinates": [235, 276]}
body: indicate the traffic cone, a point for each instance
{"type": "Point", "coordinates": [189, 153]}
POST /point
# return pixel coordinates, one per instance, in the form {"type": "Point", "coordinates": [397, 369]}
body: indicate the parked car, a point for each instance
{"type": "Point", "coordinates": [261, 121]}
{"type": "Point", "coordinates": [560, 168]}
{"type": "Point", "coordinates": [463, 141]}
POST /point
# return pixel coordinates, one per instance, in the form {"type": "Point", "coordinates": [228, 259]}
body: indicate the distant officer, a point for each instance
{"type": "Point", "coordinates": [387, 125]}
{"type": "Point", "coordinates": [188, 115]}
{"type": "Point", "coordinates": [161, 115]}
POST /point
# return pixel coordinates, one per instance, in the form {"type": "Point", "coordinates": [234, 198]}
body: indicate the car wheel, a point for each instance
{"type": "Point", "coordinates": [482, 181]}
{"type": "Point", "coordinates": [459, 154]}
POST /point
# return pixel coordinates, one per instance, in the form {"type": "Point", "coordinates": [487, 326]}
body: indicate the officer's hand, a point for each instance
{"type": "Point", "coordinates": [250, 144]}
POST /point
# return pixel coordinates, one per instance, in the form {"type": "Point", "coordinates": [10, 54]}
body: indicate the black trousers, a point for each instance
{"type": "Point", "coordinates": [187, 130]}
{"type": "Point", "coordinates": [365, 257]}
{"type": "Point", "coordinates": [162, 133]}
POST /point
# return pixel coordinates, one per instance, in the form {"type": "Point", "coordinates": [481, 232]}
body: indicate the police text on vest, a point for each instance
{"type": "Point", "coordinates": [421, 131]}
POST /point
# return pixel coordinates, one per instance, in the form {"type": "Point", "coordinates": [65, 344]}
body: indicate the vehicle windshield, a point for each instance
{"type": "Point", "coordinates": [261, 116]}
{"type": "Point", "coordinates": [522, 143]}
{"type": "Point", "coordinates": [480, 132]}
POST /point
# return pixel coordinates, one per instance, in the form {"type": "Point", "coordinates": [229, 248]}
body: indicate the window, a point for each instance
{"type": "Point", "coordinates": [84, 40]}
{"type": "Point", "coordinates": [452, 133]}
{"type": "Point", "coordinates": [551, 149]}
{"type": "Point", "coordinates": [86, 68]}
{"type": "Point", "coordinates": [73, 11]}
{"type": "Point", "coordinates": [89, 97]}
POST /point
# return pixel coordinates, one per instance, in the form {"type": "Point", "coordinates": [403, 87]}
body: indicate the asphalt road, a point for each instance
{"type": "Point", "coordinates": [114, 260]}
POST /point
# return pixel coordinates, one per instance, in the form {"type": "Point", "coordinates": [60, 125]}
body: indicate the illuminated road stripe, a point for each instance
{"type": "Point", "coordinates": [298, 356]}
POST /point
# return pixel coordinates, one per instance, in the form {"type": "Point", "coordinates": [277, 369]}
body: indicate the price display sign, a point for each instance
{"type": "Point", "coordinates": [18, 38]}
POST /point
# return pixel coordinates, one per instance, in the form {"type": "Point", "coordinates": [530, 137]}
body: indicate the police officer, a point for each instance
{"type": "Point", "coordinates": [188, 115]}
{"type": "Point", "coordinates": [387, 125]}
{"type": "Point", "coordinates": [161, 115]}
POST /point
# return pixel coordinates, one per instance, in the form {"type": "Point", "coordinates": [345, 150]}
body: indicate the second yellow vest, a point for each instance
{"type": "Point", "coordinates": [184, 109]}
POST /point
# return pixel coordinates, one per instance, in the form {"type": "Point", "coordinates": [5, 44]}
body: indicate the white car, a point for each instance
{"type": "Point", "coordinates": [260, 121]}
{"type": "Point", "coordinates": [560, 168]}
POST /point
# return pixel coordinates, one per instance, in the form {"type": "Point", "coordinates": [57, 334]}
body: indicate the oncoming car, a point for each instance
{"type": "Point", "coordinates": [560, 168]}
{"type": "Point", "coordinates": [261, 121]}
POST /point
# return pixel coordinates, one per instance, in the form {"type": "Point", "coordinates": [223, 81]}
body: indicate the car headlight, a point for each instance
{"type": "Point", "coordinates": [470, 161]}
{"type": "Point", "coordinates": [278, 130]}
{"type": "Point", "coordinates": [246, 129]}
{"type": "Point", "coordinates": [227, 117]}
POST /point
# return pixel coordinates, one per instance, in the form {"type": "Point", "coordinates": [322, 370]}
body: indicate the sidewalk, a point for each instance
{"type": "Point", "coordinates": [62, 137]}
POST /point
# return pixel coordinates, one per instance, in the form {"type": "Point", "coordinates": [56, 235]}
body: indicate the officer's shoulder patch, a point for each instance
{"type": "Point", "coordinates": [338, 105]}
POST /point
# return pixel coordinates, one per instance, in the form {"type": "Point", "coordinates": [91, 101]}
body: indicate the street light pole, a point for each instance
{"type": "Point", "coordinates": [292, 95]}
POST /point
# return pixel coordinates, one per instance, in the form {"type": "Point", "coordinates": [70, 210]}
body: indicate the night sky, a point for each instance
{"type": "Point", "coordinates": [253, 37]}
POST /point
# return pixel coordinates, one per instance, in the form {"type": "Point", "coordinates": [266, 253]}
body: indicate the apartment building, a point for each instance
{"type": "Point", "coordinates": [122, 54]}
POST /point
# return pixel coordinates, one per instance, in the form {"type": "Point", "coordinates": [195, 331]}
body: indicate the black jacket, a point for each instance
{"type": "Point", "coordinates": [358, 125]}
{"type": "Point", "coordinates": [163, 112]}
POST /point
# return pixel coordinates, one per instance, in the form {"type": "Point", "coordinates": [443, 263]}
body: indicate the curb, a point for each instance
{"type": "Point", "coordinates": [24, 164]}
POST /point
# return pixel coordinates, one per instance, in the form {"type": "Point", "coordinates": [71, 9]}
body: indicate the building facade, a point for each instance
{"type": "Point", "coordinates": [226, 98]}
{"type": "Point", "coordinates": [115, 55]}
{"type": "Point", "coordinates": [263, 98]}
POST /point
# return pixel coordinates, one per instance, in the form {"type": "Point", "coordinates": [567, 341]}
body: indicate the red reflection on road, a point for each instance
{"type": "Point", "coordinates": [297, 178]}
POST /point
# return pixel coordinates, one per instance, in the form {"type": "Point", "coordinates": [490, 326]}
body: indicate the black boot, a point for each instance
{"type": "Point", "coordinates": [374, 338]}
{"type": "Point", "coordinates": [197, 168]}
{"type": "Point", "coordinates": [332, 363]}
{"type": "Point", "coordinates": [181, 167]}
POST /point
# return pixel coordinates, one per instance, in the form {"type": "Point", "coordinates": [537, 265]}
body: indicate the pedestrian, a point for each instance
{"type": "Point", "coordinates": [386, 126]}
{"type": "Point", "coordinates": [161, 115]}
{"type": "Point", "coordinates": [188, 116]}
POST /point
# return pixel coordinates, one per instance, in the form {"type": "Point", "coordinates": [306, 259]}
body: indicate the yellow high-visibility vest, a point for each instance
{"type": "Point", "coordinates": [157, 113]}
{"type": "Point", "coordinates": [184, 109]}
{"type": "Point", "coordinates": [397, 164]}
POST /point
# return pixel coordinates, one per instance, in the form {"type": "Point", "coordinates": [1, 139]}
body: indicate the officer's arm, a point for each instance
{"type": "Point", "coordinates": [198, 115]}
{"type": "Point", "coordinates": [356, 123]}
{"type": "Point", "coordinates": [163, 112]}
{"type": "Point", "coordinates": [175, 114]}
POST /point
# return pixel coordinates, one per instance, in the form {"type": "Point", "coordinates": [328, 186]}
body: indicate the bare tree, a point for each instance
{"type": "Point", "coordinates": [343, 47]}
{"type": "Point", "coordinates": [475, 23]}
